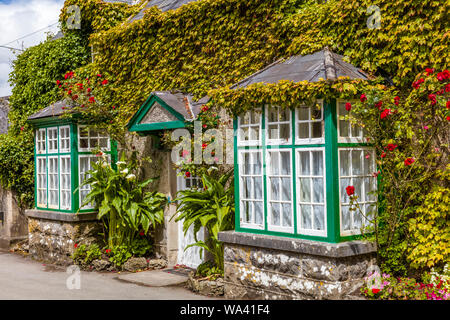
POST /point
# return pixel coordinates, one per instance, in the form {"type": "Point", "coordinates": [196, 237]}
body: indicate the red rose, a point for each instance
{"type": "Point", "coordinates": [444, 75]}
{"type": "Point", "coordinates": [21, 128]}
{"type": "Point", "coordinates": [447, 87]}
{"type": "Point", "coordinates": [187, 174]}
{"type": "Point", "coordinates": [204, 126]}
{"type": "Point", "coordinates": [142, 233]}
{"type": "Point", "coordinates": [391, 147]}
{"type": "Point", "coordinates": [448, 104]}
{"type": "Point", "coordinates": [348, 106]}
{"type": "Point", "coordinates": [104, 82]}
{"type": "Point", "coordinates": [205, 108]}
{"type": "Point", "coordinates": [429, 71]}
{"type": "Point", "coordinates": [75, 245]}
{"type": "Point", "coordinates": [385, 113]}
{"type": "Point", "coordinates": [75, 97]}
{"type": "Point", "coordinates": [379, 104]}
{"type": "Point", "coordinates": [363, 98]}
{"type": "Point", "coordinates": [383, 154]}
{"type": "Point", "coordinates": [448, 118]}
{"type": "Point", "coordinates": [417, 83]}
{"type": "Point", "coordinates": [350, 190]}
{"type": "Point", "coordinates": [432, 98]}
{"type": "Point", "coordinates": [91, 100]}
{"type": "Point", "coordinates": [58, 82]}
{"type": "Point", "coordinates": [204, 146]}
{"type": "Point", "coordinates": [375, 290]}
{"type": "Point", "coordinates": [99, 75]}
{"type": "Point", "coordinates": [409, 161]}
{"type": "Point", "coordinates": [396, 100]}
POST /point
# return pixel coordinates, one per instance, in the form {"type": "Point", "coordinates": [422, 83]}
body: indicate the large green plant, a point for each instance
{"type": "Point", "coordinates": [123, 205]}
{"type": "Point", "coordinates": [212, 208]}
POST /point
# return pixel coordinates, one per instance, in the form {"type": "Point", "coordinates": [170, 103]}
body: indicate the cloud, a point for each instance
{"type": "Point", "coordinates": [19, 18]}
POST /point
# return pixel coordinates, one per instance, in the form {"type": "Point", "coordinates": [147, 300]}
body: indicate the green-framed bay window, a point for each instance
{"type": "Point", "coordinates": [292, 168]}
{"type": "Point", "coordinates": [63, 155]}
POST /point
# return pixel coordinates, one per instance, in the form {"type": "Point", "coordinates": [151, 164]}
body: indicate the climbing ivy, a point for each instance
{"type": "Point", "coordinates": [33, 79]}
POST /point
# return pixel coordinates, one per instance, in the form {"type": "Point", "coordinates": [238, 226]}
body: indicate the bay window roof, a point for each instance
{"type": "Point", "coordinates": [54, 110]}
{"type": "Point", "coordinates": [323, 64]}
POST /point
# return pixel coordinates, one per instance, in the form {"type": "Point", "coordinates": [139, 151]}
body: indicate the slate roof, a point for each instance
{"type": "Point", "coordinates": [163, 5]}
{"type": "Point", "coordinates": [53, 110]}
{"type": "Point", "coordinates": [182, 102]}
{"type": "Point", "coordinates": [4, 110]}
{"type": "Point", "coordinates": [322, 64]}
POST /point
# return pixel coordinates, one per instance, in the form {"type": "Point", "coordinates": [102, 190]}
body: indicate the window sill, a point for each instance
{"type": "Point", "coordinates": [61, 216]}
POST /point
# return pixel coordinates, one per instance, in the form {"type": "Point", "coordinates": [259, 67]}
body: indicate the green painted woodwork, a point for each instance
{"type": "Point", "coordinates": [331, 147]}
{"type": "Point", "coordinates": [74, 161]}
{"type": "Point", "coordinates": [135, 124]}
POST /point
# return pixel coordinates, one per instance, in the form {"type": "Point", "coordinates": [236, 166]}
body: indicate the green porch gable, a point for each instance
{"type": "Point", "coordinates": [164, 110]}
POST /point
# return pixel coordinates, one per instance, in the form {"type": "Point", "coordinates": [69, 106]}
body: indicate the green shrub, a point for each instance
{"type": "Point", "coordinates": [119, 255]}
{"type": "Point", "coordinates": [84, 255]}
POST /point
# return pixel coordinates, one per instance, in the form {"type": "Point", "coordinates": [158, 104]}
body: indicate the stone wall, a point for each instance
{"type": "Point", "coordinates": [268, 267]}
{"type": "Point", "coordinates": [52, 235]}
{"type": "Point", "coordinates": [13, 224]}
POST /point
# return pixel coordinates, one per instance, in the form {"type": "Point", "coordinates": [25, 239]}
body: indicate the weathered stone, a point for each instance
{"type": "Point", "coordinates": [52, 241]}
{"type": "Point", "coordinates": [253, 272]}
{"type": "Point", "coordinates": [100, 264]}
{"type": "Point", "coordinates": [135, 264]}
{"type": "Point", "coordinates": [157, 264]}
{"type": "Point", "coordinates": [211, 288]}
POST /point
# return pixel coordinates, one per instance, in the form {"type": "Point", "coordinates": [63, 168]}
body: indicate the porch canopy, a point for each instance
{"type": "Point", "coordinates": [165, 110]}
{"type": "Point", "coordinates": [292, 166]}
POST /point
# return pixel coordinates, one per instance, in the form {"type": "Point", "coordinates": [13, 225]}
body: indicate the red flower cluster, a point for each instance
{"type": "Point", "coordinates": [142, 233]}
{"type": "Point", "coordinates": [350, 190]}
{"type": "Point", "coordinates": [429, 71]}
{"type": "Point", "coordinates": [108, 251]}
{"type": "Point", "coordinates": [432, 98]}
{"type": "Point", "coordinates": [396, 100]}
{"type": "Point", "coordinates": [205, 108]}
{"type": "Point", "coordinates": [391, 147]}
{"type": "Point", "coordinates": [385, 113]}
{"type": "Point", "coordinates": [416, 84]}
{"type": "Point", "coordinates": [363, 98]}
{"type": "Point", "coordinates": [348, 106]}
{"type": "Point", "coordinates": [379, 104]}
{"type": "Point", "coordinates": [104, 82]}
{"type": "Point", "coordinates": [444, 75]}
{"type": "Point", "coordinates": [69, 75]}
{"type": "Point", "coordinates": [409, 161]}
{"type": "Point", "coordinates": [187, 174]}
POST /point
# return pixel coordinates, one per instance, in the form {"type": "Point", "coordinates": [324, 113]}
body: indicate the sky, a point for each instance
{"type": "Point", "coordinates": [19, 18]}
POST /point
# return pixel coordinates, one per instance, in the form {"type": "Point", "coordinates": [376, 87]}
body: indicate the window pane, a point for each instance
{"type": "Point", "coordinates": [317, 163]}
{"type": "Point", "coordinates": [286, 189]}
{"type": "Point", "coordinates": [274, 163]}
{"type": "Point", "coordinates": [275, 211]}
{"type": "Point", "coordinates": [285, 163]}
{"type": "Point", "coordinates": [317, 130]}
{"type": "Point", "coordinates": [259, 211]}
{"type": "Point", "coordinates": [305, 190]}
{"type": "Point", "coordinates": [246, 211]}
{"type": "Point", "coordinates": [257, 163]}
{"type": "Point", "coordinates": [303, 113]}
{"type": "Point", "coordinates": [246, 163]}
{"type": "Point", "coordinates": [303, 130]}
{"type": "Point", "coordinates": [357, 219]}
{"type": "Point", "coordinates": [254, 133]}
{"type": "Point", "coordinates": [273, 132]}
{"type": "Point", "coordinates": [304, 164]}
{"type": "Point", "coordinates": [344, 129]}
{"type": "Point", "coordinates": [285, 132]}
{"type": "Point", "coordinates": [316, 113]}
{"type": "Point", "coordinates": [357, 183]}
{"type": "Point", "coordinates": [272, 115]}
{"type": "Point", "coordinates": [255, 116]}
{"type": "Point", "coordinates": [318, 190]}
{"type": "Point", "coordinates": [319, 217]}
{"type": "Point", "coordinates": [344, 162]}
{"type": "Point", "coordinates": [247, 187]}
{"type": "Point", "coordinates": [305, 211]}
{"type": "Point", "coordinates": [346, 222]}
{"type": "Point", "coordinates": [287, 214]}
{"type": "Point", "coordinates": [258, 188]}
{"type": "Point", "coordinates": [344, 184]}
{"type": "Point", "coordinates": [356, 162]}
{"type": "Point", "coordinates": [275, 188]}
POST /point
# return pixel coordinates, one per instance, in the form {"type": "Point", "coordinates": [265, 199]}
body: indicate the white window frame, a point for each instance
{"type": "Point", "coordinates": [61, 138]}
{"type": "Point", "coordinates": [300, 230]}
{"type": "Point", "coordinates": [242, 222]}
{"type": "Point", "coordinates": [277, 142]}
{"type": "Point", "coordinates": [310, 140]}
{"type": "Point", "coordinates": [356, 231]}
{"type": "Point", "coordinates": [49, 187]}
{"type": "Point", "coordinates": [61, 188]}
{"type": "Point", "coordinates": [349, 139]}
{"type": "Point", "coordinates": [40, 142]}
{"type": "Point", "coordinates": [240, 131]}
{"type": "Point", "coordinates": [89, 148]}
{"type": "Point", "coordinates": [52, 139]}
{"type": "Point", "coordinates": [40, 188]}
{"type": "Point", "coordinates": [270, 226]}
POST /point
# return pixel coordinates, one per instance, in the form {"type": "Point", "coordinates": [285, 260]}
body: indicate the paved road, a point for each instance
{"type": "Point", "coordinates": [23, 278]}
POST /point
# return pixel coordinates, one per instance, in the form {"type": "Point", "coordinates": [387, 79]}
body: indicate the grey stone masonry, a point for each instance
{"type": "Point", "coordinates": [270, 267]}
{"type": "Point", "coordinates": [53, 235]}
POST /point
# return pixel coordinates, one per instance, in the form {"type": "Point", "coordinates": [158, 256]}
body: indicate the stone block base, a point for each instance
{"type": "Point", "coordinates": [268, 267]}
{"type": "Point", "coordinates": [52, 235]}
